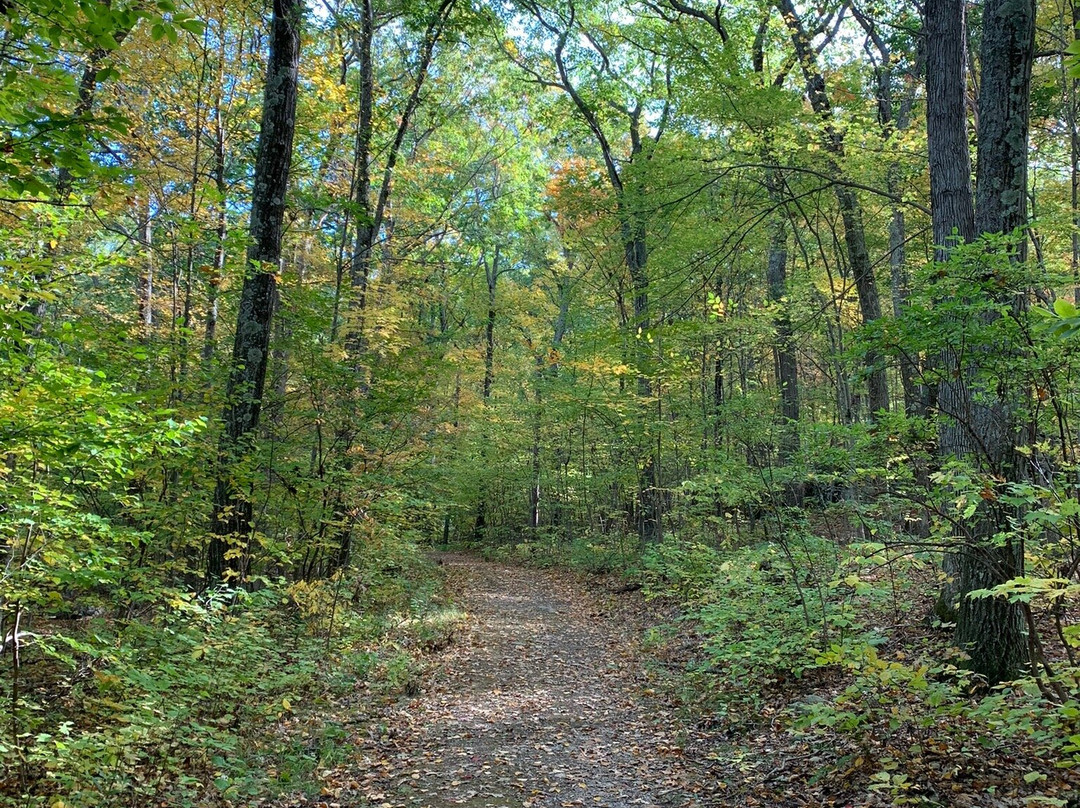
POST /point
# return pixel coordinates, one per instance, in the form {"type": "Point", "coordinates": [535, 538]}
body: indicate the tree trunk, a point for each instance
{"type": "Point", "coordinates": [144, 291]}
{"type": "Point", "coordinates": [978, 423]}
{"type": "Point", "coordinates": [951, 204]}
{"type": "Point", "coordinates": [371, 211]}
{"type": "Point", "coordinates": [858, 255]}
{"type": "Point", "coordinates": [491, 275]}
{"type": "Point", "coordinates": [894, 119]}
{"type": "Point", "coordinates": [538, 403]}
{"type": "Point", "coordinates": [366, 229]}
{"type": "Point", "coordinates": [992, 630]}
{"type": "Point", "coordinates": [1073, 121]}
{"type": "Point", "coordinates": [247, 376]}
{"type": "Point", "coordinates": [786, 365]}
{"type": "Point", "coordinates": [221, 232]}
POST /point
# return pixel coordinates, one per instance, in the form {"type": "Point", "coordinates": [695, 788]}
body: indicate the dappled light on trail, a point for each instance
{"type": "Point", "coordinates": [540, 704]}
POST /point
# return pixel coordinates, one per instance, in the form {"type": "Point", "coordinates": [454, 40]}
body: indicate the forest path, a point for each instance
{"type": "Point", "coordinates": [538, 703]}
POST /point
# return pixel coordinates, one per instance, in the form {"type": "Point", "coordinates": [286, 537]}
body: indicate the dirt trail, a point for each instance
{"type": "Point", "coordinates": [539, 704]}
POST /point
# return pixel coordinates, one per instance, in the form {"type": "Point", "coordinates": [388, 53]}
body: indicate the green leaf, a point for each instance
{"type": "Point", "coordinates": [1065, 309]}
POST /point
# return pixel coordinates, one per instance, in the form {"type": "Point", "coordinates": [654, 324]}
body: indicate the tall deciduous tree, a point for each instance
{"type": "Point", "coordinates": [851, 211]}
{"type": "Point", "coordinates": [251, 346]}
{"type": "Point", "coordinates": [980, 420]}
{"type": "Point", "coordinates": [564, 28]}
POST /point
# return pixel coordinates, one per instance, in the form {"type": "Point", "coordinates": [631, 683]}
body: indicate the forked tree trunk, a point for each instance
{"type": "Point", "coordinates": [372, 200]}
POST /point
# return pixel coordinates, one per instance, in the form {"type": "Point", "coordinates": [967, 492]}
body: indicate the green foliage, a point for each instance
{"type": "Point", "coordinates": [222, 696]}
{"type": "Point", "coordinates": [1063, 320]}
{"type": "Point", "coordinates": [762, 609]}
{"type": "Point", "coordinates": [594, 554]}
{"type": "Point", "coordinates": [125, 170]}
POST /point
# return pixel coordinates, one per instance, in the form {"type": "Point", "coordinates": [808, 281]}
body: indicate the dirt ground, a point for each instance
{"type": "Point", "coordinates": [542, 701]}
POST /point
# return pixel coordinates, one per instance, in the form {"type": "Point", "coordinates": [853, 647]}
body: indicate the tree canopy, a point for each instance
{"type": "Point", "coordinates": [770, 306]}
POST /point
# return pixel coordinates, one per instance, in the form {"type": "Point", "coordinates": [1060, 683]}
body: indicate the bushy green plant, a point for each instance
{"type": "Point", "coordinates": [762, 609]}
{"type": "Point", "coordinates": [193, 703]}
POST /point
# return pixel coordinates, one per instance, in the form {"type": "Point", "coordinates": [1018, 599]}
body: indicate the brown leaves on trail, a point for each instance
{"type": "Point", "coordinates": [539, 705]}
{"type": "Point", "coordinates": [545, 700]}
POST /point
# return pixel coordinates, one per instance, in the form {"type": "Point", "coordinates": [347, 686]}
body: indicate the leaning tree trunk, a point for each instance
{"type": "Point", "coordinates": [247, 376]}
{"type": "Point", "coordinates": [858, 255]}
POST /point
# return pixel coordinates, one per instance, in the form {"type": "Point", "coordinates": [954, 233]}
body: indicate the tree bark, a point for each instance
{"type": "Point", "coordinates": [952, 210]}
{"type": "Point", "coordinates": [247, 377]}
{"type": "Point", "coordinates": [992, 630]}
{"type": "Point", "coordinates": [978, 422]}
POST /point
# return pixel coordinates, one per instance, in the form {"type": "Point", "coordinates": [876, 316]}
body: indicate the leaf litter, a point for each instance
{"type": "Point", "coordinates": [541, 702]}
{"type": "Point", "coordinates": [546, 699]}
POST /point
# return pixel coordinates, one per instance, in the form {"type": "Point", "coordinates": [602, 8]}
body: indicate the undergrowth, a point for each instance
{"type": "Point", "coordinates": [590, 553]}
{"type": "Point", "coordinates": [219, 698]}
{"type": "Point", "coordinates": [833, 644]}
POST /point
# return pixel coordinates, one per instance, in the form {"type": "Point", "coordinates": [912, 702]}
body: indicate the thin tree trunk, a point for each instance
{"type": "Point", "coordinates": [144, 292]}
{"type": "Point", "coordinates": [366, 231]}
{"type": "Point", "coordinates": [491, 274]}
{"type": "Point", "coordinates": [1073, 120]}
{"type": "Point", "coordinates": [786, 365]}
{"type": "Point", "coordinates": [862, 269]}
{"type": "Point", "coordinates": [221, 232]}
